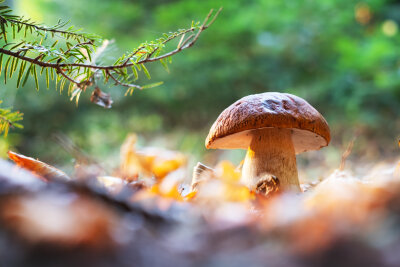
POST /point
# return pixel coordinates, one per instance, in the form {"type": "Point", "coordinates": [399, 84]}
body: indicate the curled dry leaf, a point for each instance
{"type": "Point", "coordinates": [100, 98]}
{"type": "Point", "coordinates": [39, 168]}
{"type": "Point", "coordinates": [201, 173]}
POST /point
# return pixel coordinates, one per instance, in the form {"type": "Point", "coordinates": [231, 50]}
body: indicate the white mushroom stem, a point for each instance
{"type": "Point", "coordinates": [271, 152]}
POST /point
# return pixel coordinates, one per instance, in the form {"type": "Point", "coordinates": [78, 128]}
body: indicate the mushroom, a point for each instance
{"type": "Point", "coordinates": [273, 127]}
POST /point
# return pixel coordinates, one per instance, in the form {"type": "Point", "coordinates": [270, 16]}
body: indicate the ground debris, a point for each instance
{"type": "Point", "coordinates": [109, 221]}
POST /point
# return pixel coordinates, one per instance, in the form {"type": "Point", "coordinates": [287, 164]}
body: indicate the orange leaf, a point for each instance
{"type": "Point", "coordinates": [149, 161]}
{"type": "Point", "coordinates": [190, 196]}
{"type": "Point", "coordinates": [40, 169]}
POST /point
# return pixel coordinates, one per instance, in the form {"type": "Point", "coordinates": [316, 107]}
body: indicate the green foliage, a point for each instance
{"type": "Point", "coordinates": [71, 57]}
{"type": "Point", "coordinates": [9, 119]}
{"type": "Point", "coordinates": [74, 59]}
{"type": "Point", "coordinates": [315, 49]}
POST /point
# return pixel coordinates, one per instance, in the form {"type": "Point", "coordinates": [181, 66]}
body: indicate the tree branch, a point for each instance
{"type": "Point", "coordinates": [60, 65]}
{"type": "Point", "coordinates": [54, 30]}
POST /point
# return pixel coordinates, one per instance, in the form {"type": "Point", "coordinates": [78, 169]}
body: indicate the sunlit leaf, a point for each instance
{"type": "Point", "coordinates": [37, 167]}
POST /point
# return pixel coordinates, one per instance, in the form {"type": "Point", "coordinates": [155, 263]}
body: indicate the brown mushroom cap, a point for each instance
{"type": "Point", "coordinates": [232, 129]}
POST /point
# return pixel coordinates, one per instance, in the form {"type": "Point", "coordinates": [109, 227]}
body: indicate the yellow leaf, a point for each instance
{"type": "Point", "coordinates": [225, 170]}
{"type": "Point", "coordinates": [148, 161]}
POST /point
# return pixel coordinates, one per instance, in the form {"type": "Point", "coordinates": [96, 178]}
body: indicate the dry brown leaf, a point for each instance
{"type": "Point", "coordinates": [39, 168]}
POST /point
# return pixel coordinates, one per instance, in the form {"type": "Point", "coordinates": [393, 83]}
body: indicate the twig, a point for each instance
{"type": "Point", "coordinates": [47, 29]}
{"type": "Point", "coordinates": [59, 70]}
{"type": "Point", "coordinates": [121, 83]}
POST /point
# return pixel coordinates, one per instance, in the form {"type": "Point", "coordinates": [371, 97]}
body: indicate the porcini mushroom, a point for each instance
{"type": "Point", "coordinates": [273, 127]}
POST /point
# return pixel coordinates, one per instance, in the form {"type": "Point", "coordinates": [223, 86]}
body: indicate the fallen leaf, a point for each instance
{"type": "Point", "coordinates": [40, 169]}
{"type": "Point", "coordinates": [149, 161]}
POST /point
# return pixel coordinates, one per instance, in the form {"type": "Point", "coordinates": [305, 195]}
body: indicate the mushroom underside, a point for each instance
{"type": "Point", "coordinates": [303, 140]}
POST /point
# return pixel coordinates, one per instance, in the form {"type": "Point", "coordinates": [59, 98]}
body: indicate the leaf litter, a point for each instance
{"type": "Point", "coordinates": [146, 215]}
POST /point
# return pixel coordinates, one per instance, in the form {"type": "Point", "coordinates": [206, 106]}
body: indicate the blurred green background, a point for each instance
{"type": "Point", "coordinates": [342, 56]}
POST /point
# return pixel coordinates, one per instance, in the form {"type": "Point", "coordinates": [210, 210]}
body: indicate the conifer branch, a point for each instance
{"type": "Point", "coordinates": [70, 56]}
{"type": "Point", "coordinates": [188, 42]}
{"type": "Point", "coordinates": [145, 53]}
{"type": "Point", "coordinates": [39, 29]}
